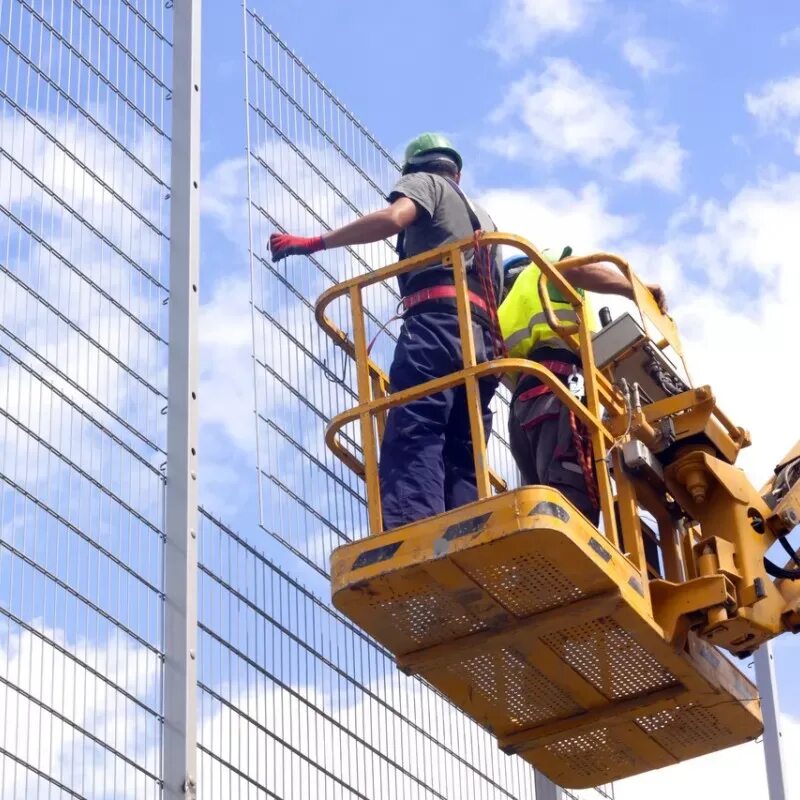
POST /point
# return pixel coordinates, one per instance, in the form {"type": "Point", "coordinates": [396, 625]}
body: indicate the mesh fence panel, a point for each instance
{"type": "Point", "coordinates": [313, 166]}
{"type": "Point", "coordinates": [301, 683]}
{"type": "Point", "coordinates": [295, 702]}
{"type": "Point", "coordinates": [84, 164]}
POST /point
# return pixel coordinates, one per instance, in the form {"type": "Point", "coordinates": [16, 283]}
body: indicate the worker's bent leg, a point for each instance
{"type": "Point", "coordinates": [411, 468]}
{"type": "Point", "coordinates": [547, 426]}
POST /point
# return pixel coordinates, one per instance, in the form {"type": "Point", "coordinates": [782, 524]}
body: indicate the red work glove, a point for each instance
{"type": "Point", "coordinates": [284, 244]}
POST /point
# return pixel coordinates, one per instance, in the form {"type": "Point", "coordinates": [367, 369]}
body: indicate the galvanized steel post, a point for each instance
{"type": "Point", "coordinates": [545, 788]}
{"type": "Point", "coordinates": [180, 578]}
{"type": "Point", "coordinates": [773, 738]}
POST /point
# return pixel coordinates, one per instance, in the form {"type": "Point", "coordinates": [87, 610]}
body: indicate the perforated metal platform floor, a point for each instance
{"type": "Point", "coordinates": [526, 617]}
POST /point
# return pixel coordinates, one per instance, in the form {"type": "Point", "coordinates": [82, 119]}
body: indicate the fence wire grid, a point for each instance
{"type": "Point", "coordinates": [84, 245]}
{"type": "Point", "coordinates": [313, 166]}
{"type": "Point", "coordinates": [293, 700]}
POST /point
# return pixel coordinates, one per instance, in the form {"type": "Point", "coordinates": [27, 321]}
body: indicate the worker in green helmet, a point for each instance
{"type": "Point", "coordinates": [426, 463]}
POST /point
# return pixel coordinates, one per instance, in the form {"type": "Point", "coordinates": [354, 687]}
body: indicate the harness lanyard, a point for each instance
{"type": "Point", "coordinates": [482, 257]}
{"type": "Point", "coordinates": [583, 448]}
{"type": "Point", "coordinates": [580, 433]}
{"type": "Point", "coordinates": [483, 267]}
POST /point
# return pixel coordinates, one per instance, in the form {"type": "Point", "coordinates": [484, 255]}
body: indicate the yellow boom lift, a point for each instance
{"type": "Point", "coordinates": [592, 653]}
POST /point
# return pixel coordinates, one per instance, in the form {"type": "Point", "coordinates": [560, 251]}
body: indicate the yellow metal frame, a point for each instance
{"type": "Point", "coordinates": [649, 312]}
{"type": "Point", "coordinates": [713, 588]}
{"type": "Point", "coordinates": [519, 612]}
{"type": "Point", "coordinates": [372, 382]}
{"type": "Point", "coordinates": [694, 413]}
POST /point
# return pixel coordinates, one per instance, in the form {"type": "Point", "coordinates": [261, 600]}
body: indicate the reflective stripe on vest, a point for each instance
{"type": "Point", "coordinates": [522, 319]}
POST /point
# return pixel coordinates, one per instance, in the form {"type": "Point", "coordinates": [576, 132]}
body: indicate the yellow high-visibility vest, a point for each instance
{"type": "Point", "coordinates": [522, 320]}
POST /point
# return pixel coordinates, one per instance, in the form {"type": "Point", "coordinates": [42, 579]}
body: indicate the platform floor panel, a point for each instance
{"type": "Point", "coordinates": [535, 625]}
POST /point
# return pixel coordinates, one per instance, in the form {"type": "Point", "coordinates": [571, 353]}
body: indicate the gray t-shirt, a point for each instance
{"type": "Point", "coordinates": [443, 218]}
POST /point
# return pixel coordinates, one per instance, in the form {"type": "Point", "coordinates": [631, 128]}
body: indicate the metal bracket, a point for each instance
{"type": "Point", "coordinates": [677, 606]}
{"type": "Point", "coordinates": [639, 460]}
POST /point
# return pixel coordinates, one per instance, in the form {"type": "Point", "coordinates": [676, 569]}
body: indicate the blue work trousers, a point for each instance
{"type": "Point", "coordinates": [426, 461]}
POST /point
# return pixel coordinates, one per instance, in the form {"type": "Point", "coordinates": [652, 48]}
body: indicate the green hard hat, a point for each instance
{"type": "Point", "coordinates": [566, 252]}
{"type": "Point", "coordinates": [427, 147]}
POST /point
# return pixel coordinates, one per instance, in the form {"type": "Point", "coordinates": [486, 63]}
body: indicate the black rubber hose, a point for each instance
{"type": "Point", "coordinates": [780, 572]}
{"type": "Point", "coordinates": [790, 550]}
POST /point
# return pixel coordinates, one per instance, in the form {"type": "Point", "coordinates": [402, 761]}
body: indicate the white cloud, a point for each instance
{"type": "Point", "coordinates": [567, 113]}
{"type": "Point", "coordinates": [522, 24]}
{"type": "Point", "coordinates": [564, 114]}
{"type": "Point", "coordinates": [731, 274]}
{"type": "Point", "coordinates": [225, 337]}
{"type": "Point", "coordinates": [102, 184]}
{"type": "Point", "coordinates": [553, 217]}
{"type": "Point", "coordinates": [790, 37]}
{"type": "Point", "coordinates": [59, 682]}
{"type": "Point", "coordinates": [736, 772]}
{"type": "Point", "coordinates": [647, 55]}
{"type": "Point", "coordinates": [776, 106]}
{"type": "Point", "coordinates": [776, 102]}
{"type": "Point", "coordinates": [224, 199]}
{"type": "Point", "coordinates": [658, 160]}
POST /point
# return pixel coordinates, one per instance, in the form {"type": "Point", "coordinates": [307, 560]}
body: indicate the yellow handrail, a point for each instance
{"type": "Point", "coordinates": [611, 399]}
{"type": "Point", "coordinates": [642, 296]}
{"type": "Point", "coordinates": [498, 366]}
{"type": "Point", "coordinates": [371, 378]}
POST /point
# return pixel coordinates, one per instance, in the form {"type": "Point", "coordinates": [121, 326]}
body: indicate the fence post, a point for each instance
{"type": "Point", "coordinates": [545, 788]}
{"type": "Point", "coordinates": [773, 741]}
{"type": "Point", "coordinates": [180, 565]}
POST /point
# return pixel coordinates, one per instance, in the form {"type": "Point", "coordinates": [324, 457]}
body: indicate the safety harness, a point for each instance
{"type": "Point", "coordinates": [481, 265]}
{"type": "Point", "coordinates": [580, 434]}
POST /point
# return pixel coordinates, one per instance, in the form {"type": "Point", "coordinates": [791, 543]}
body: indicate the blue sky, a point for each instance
{"type": "Point", "coordinates": [668, 131]}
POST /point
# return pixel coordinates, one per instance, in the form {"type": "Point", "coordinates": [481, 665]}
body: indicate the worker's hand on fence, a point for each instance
{"type": "Point", "coordinates": [659, 297]}
{"type": "Point", "coordinates": [284, 244]}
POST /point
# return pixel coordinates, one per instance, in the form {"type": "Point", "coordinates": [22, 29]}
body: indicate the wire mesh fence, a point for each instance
{"type": "Point", "coordinates": [294, 701]}
{"type": "Point", "coordinates": [313, 166]}
{"type": "Point", "coordinates": [84, 231]}
{"type": "Point", "coordinates": [345, 723]}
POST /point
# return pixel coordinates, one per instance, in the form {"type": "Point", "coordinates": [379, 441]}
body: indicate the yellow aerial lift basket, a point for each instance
{"type": "Point", "coordinates": [590, 654]}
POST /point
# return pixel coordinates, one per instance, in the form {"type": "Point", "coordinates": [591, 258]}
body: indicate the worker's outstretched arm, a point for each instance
{"type": "Point", "coordinates": [370, 228]}
{"type": "Point", "coordinates": [606, 280]}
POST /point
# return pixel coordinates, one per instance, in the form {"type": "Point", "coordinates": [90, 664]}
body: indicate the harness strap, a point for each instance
{"type": "Point", "coordinates": [423, 295]}
{"type": "Point", "coordinates": [580, 438]}
{"type": "Point", "coordinates": [484, 271]}
{"type": "Point", "coordinates": [438, 293]}
{"type": "Point", "coordinates": [583, 447]}
{"type": "Point", "coordinates": [557, 367]}
{"type": "Point", "coordinates": [381, 330]}
{"type": "Point", "coordinates": [473, 221]}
